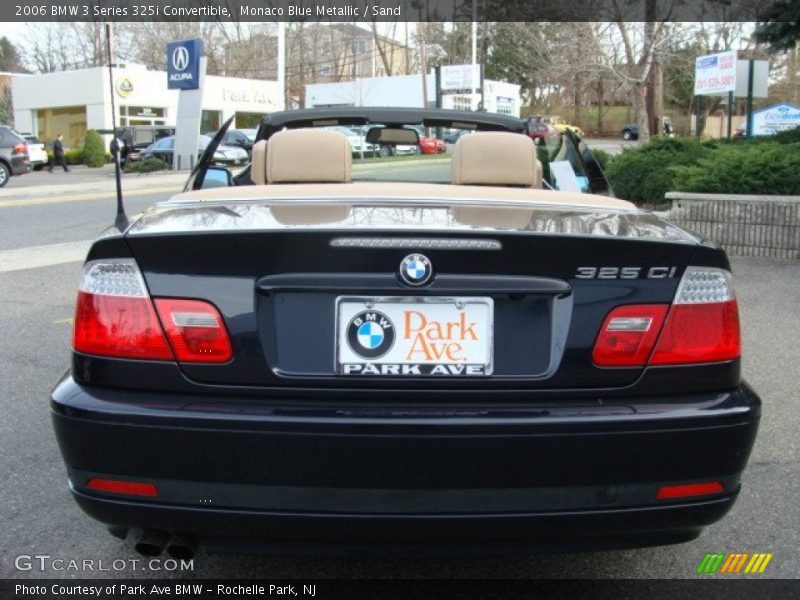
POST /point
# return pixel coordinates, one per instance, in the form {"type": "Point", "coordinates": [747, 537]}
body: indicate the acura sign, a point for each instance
{"type": "Point", "coordinates": [183, 59]}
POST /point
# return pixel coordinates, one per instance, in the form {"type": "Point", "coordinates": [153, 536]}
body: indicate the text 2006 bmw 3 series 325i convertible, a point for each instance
{"type": "Point", "coordinates": [502, 357]}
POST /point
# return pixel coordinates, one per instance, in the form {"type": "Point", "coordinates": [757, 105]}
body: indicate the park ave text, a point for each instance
{"type": "Point", "coordinates": [168, 589]}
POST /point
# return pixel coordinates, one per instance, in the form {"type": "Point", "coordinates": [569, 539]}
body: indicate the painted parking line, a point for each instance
{"type": "Point", "coordinates": [57, 199]}
{"type": "Point", "coordinates": [33, 257]}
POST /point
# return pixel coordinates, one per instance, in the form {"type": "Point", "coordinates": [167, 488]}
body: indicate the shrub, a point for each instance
{"type": "Point", "coordinates": [148, 165]}
{"type": "Point", "coordinates": [94, 152]}
{"type": "Point", "coordinates": [645, 174]}
{"type": "Point", "coordinates": [764, 168]}
{"type": "Point", "coordinates": [602, 157]}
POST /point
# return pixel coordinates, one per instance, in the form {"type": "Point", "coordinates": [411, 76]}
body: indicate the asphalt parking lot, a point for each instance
{"type": "Point", "coordinates": [39, 517]}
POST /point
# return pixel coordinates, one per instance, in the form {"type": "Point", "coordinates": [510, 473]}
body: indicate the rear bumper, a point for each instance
{"type": "Point", "coordinates": [20, 164]}
{"type": "Point", "coordinates": [37, 157]}
{"type": "Point", "coordinates": [343, 477]}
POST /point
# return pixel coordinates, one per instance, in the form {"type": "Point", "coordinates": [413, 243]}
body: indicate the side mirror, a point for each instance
{"type": "Point", "coordinates": [216, 177]}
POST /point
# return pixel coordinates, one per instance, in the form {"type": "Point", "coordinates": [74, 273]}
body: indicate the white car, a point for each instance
{"type": "Point", "coordinates": [405, 150]}
{"type": "Point", "coordinates": [358, 143]}
{"type": "Point", "coordinates": [36, 152]}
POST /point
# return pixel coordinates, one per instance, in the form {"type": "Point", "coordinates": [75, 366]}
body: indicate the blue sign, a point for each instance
{"type": "Point", "coordinates": [183, 64]}
{"type": "Point", "coordinates": [776, 118]}
{"type": "Point", "coordinates": [707, 62]}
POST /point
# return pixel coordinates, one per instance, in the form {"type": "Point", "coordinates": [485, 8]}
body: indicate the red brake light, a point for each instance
{"type": "Point", "coordinates": [195, 330]}
{"type": "Point", "coordinates": [696, 333]}
{"type": "Point", "coordinates": [119, 326]}
{"type": "Point", "coordinates": [114, 315]}
{"type": "Point", "coordinates": [21, 149]}
{"type": "Point", "coordinates": [628, 335]}
{"type": "Point", "coordinates": [701, 325]}
{"type": "Point", "coordinates": [667, 492]}
{"type": "Point", "coordinates": [130, 488]}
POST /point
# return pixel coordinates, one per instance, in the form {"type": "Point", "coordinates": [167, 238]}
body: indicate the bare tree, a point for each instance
{"type": "Point", "coordinates": [156, 35]}
{"type": "Point", "coordinates": [50, 47]}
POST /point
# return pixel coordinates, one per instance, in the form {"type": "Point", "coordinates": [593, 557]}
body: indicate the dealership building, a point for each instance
{"type": "Point", "coordinates": [406, 91]}
{"type": "Point", "coordinates": [71, 102]}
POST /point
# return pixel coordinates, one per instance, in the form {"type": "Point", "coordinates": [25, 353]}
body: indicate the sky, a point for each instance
{"type": "Point", "coordinates": [13, 31]}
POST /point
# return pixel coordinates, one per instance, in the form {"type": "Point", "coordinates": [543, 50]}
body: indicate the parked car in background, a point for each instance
{"type": "Point", "coordinates": [558, 123]}
{"type": "Point", "coordinates": [429, 144]}
{"type": "Point", "coordinates": [243, 138]}
{"type": "Point", "coordinates": [13, 154]}
{"type": "Point", "coordinates": [37, 154]}
{"type": "Point", "coordinates": [630, 132]}
{"type": "Point", "coordinates": [136, 138]}
{"type": "Point", "coordinates": [453, 135]}
{"type": "Point", "coordinates": [539, 130]}
{"type": "Point", "coordinates": [358, 143]}
{"type": "Point", "coordinates": [224, 155]}
{"type": "Point", "coordinates": [740, 132]}
{"type": "Point", "coordinates": [405, 150]}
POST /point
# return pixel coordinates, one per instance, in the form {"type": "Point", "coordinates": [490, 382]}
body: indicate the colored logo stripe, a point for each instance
{"type": "Point", "coordinates": [711, 562]}
{"type": "Point", "coordinates": [721, 562]}
{"type": "Point", "coordinates": [758, 563]}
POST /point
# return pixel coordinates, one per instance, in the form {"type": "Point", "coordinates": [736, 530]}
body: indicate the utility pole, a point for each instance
{"type": "Point", "coordinates": [793, 91]}
{"type": "Point", "coordinates": [423, 59]}
{"type": "Point", "coordinates": [474, 52]}
{"type": "Point", "coordinates": [281, 65]}
{"type": "Point", "coordinates": [750, 70]}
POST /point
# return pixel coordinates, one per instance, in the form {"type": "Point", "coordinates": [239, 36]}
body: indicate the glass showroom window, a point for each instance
{"type": "Point", "coordinates": [210, 121]}
{"type": "Point", "coordinates": [68, 120]}
{"type": "Point", "coordinates": [247, 120]}
{"type": "Point", "coordinates": [142, 115]}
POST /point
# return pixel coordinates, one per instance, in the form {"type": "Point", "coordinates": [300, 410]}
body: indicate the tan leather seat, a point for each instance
{"type": "Point", "coordinates": [258, 163]}
{"type": "Point", "coordinates": [308, 156]}
{"type": "Point", "coordinates": [496, 158]}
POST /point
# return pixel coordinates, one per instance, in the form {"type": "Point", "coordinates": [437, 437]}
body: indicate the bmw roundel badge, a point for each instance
{"type": "Point", "coordinates": [416, 269]}
{"type": "Point", "coordinates": [370, 334]}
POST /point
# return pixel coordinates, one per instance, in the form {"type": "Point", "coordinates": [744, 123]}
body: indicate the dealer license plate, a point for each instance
{"type": "Point", "coordinates": [419, 337]}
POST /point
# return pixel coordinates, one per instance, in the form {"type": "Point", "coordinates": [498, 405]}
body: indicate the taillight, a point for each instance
{"type": "Point", "coordinates": [114, 314]}
{"type": "Point", "coordinates": [628, 335]}
{"type": "Point", "coordinates": [701, 325]}
{"type": "Point", "coordinates": [21, 149]}
{"type": "Point", "coordinates": [118, 486]}
{"type": "Point", "coordinates": [668, 492]}
{"type": "Point", "coordinates": [195, 329]}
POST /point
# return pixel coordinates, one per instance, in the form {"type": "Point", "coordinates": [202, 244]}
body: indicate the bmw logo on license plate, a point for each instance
{"type": "Point", "coordinates": [416, 269]}
{"type": "Point", "coordinates": [370, 334]}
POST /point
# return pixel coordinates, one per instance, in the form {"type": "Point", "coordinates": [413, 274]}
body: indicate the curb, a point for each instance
{"type": "Point", "coordinates": [128, 185]}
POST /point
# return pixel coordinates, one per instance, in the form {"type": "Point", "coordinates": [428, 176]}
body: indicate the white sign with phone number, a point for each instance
{"type": "Point", "coordinates": [715, 74]}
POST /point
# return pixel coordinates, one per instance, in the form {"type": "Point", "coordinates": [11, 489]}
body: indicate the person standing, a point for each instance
{"type": "Point", "coordinates": [58, 154]}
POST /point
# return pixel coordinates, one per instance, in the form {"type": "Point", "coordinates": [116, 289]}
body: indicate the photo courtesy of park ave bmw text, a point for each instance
{"type": "Point", "coordinates": [399, 298]}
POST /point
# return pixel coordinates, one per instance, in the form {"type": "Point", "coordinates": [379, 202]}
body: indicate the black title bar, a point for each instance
{"type": "Point", "coordinates": [382, 10]}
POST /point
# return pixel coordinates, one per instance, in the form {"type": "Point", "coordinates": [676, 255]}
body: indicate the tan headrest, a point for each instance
{"type": "Point", "coordinates": [496, 158]}
{"type": "Point", "coordinates": [258, 163]}
{"type": "Point", "coordinates": [308, 156]}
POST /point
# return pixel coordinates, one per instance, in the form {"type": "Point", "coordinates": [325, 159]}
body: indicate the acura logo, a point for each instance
{"type": "Point", "coordinates": [416, 269]}
{"type": "Point", "coordinates": [180, 58]}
